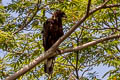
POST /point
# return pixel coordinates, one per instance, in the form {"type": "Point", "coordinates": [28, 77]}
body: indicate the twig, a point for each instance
{"type": "Point", "coordinates": [77, 54]}
{"type": "Point", "coordinates": [115, 17]}
{"type": "Point", "coordinates": [69, 62]}
{"type": "Point", "coordinates": [62, 63]}
{"type": "Point", "coordinates": [85, 71]}
{"type": "Point", "coordinates": [117, 48]}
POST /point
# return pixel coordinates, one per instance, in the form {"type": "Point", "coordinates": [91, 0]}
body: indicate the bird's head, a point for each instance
{"type": "Point", "coordinates": [59, 14]}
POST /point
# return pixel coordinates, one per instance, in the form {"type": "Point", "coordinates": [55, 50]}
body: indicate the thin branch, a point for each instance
{"type": "Point", "coordinates": [117, 48]}
{"type": "Point", "coordinates": [100, 7]}
{"type": "Point", "coordinates": [62, 63]}
{"type": "Point", "coordinates": [92, 43]}
{"type": "Point", "coordinates": [88, 7]}
{"type": "Point", "coordinates": [115, 17]}
{"type": "Point", "coordinates": [85, 72]}
{"type": "Point", "coordinates": [77, 54]}
{"type": "Point", "coordinates": [111, 5]}
{"type": "Point", "coordinates": [76, 69]}
{"type": "Point", "coordinates": [25, 22]}
{"type": "Point", "coordinates": [69, 62]}
{"type": "Point", "coordinates": [50, 52]}
{"type": "Point", "coordinates": [100, 28]}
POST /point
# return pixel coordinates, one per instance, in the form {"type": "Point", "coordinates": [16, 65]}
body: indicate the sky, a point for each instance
{"type": "Point", "coordinates": [101, 70]}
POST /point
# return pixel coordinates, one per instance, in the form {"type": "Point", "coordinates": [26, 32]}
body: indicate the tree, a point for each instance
{"type": "Point", "coordinates": [91, 38]}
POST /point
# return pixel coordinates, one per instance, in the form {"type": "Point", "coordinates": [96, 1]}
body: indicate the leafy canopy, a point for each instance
{"type": "Point", "coordinates": [21, 45]}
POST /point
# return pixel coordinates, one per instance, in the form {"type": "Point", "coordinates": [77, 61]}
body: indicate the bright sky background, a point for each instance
{"type": "Point", "coordinates": [100, 69]}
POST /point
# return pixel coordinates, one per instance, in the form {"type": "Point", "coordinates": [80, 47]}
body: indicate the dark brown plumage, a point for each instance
{"type": "Point", "coordinates": [52, 31]}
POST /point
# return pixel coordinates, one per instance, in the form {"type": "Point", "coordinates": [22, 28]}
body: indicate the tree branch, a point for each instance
{"type": "Point", "coordinates": [51, 51]}
{"type": "Point", "coordinates": [111, 5]}
{"type": "Point", "coordinates": [25, 22]}
{"type": "Point", "coordinates": [92, 43]}
{"type": "Point", "coordinates": [99, 7]}
{"type": "Point", "coordinates": [88, 7]}
{"type": "Point", "coordinates": [85, 27]}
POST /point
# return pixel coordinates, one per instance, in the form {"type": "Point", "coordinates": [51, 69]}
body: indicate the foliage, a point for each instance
{"type": "Point", "coordinates": [25, 45]}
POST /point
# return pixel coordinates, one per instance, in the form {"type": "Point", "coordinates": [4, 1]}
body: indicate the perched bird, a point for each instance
{"type": "Point", "coordinates": [52, 31]}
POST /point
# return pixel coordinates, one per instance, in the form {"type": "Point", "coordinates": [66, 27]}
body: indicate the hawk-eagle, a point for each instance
{"type": "Point", "coordinates": [52, 31]}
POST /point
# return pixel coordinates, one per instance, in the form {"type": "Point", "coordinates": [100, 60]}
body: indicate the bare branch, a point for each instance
{"type": "Point", "coordinates": [100, 28]}
{"type": "Point", "coordinates": [51, 51]}
{"type": "Point", "coordinates": [111, 5]}
{"type": "Point", "coordinates": [88, 7]}
{"type": "Point", "coordinates": [90, 43]}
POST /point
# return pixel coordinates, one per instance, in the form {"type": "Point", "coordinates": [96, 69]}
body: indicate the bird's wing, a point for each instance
{"type": "Point", "coordinates": [48, 33]}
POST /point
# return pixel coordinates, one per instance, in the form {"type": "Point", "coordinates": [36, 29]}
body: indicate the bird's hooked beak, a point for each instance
{"type": "Point", "coordinates": [64, 16]}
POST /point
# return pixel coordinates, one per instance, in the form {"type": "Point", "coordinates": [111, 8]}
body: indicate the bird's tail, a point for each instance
{"type": "Point", "coordinates": [48, 65]}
